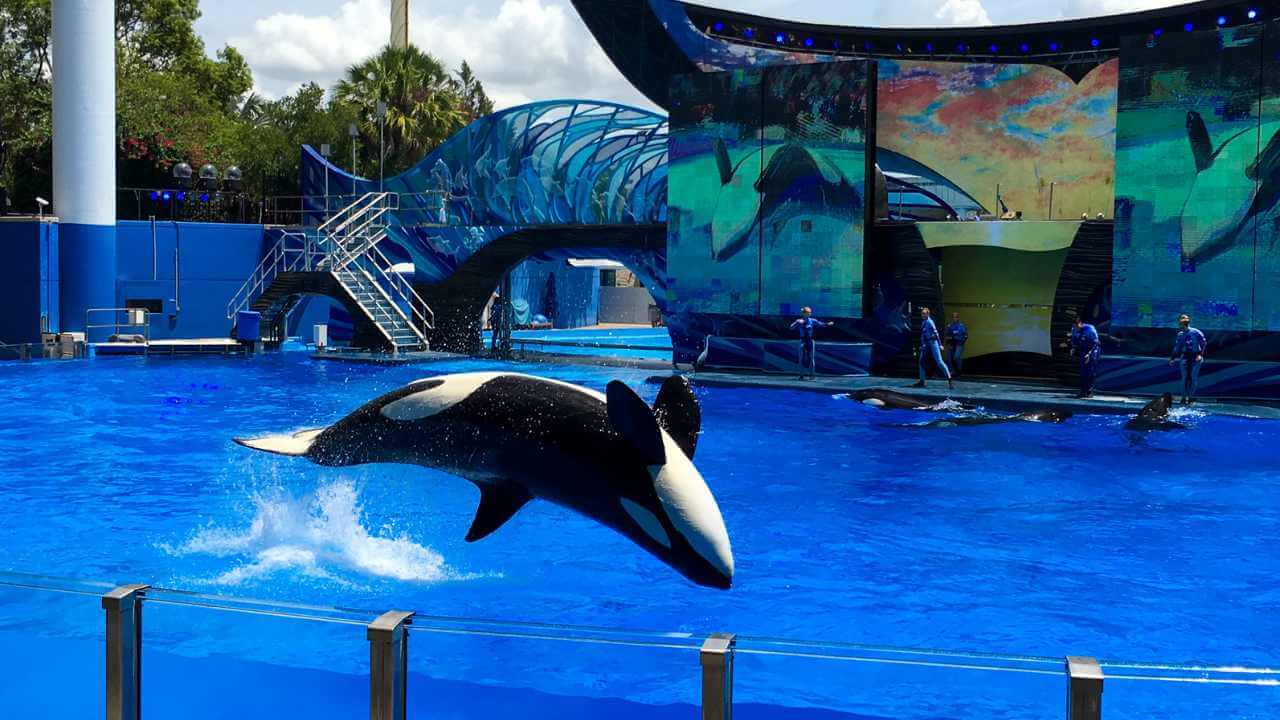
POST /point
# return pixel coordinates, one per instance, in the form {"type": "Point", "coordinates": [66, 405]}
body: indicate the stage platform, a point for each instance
{"type": "Point", "coordinates": [1011, 395]}
{"type": "Point", "coordinates": [189, 346]}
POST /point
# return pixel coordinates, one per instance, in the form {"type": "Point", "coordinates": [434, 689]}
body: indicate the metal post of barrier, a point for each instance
{"type": "Point", "coordinates": [716, 657]}
{"type": "Point", "coordinates": [124, 651]}
{"type": "Point", "coordinates": [388, 665]}
{"type": "Point", "coordinates": [1084, 689]}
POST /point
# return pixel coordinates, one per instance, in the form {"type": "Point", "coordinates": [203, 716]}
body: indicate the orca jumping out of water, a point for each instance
{"type": "Point", "coordinates": [890, 400]}
{"type": "Point", "coordinates": [519, 437]}
{"type": "Point", "coordinates": [1155, 416]}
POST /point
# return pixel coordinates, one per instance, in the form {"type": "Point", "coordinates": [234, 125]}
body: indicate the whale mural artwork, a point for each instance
{"type": "Point", "coordinates": [607, 456]}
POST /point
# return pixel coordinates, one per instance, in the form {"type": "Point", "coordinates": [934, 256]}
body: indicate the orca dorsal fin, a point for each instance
{"type": "Point", "coordinates": [498, 503]}
{"type": "Point", "coordinates": [677, 411]}
{"type": "Point", "coordinates": [723, 163]}
{"type": "Point", "coordinates": [634, 421]}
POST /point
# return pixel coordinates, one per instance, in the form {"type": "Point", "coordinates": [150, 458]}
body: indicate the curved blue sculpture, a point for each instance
{"type": "Point", "coordinates": [561, 162]}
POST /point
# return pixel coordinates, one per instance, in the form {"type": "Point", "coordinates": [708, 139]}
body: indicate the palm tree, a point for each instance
{"type": "Point", "coordinates": [423, 103]}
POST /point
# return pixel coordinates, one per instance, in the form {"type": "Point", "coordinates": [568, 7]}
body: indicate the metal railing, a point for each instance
{"type": "Point", "coordinates": [812, 667]}
{"type": "Point", "coordinates": [428, 207]}
{"type": "Point", "coordinates": [345, 245]}
{"type": "Point", "coordinates": [293, 252]}
{"type": "Point", "coordinates": [134, 318]}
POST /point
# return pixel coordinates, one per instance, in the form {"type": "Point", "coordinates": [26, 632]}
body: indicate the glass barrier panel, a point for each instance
{"type": "Point", "coordinates": [1137, 691]}
{"type": "Point", "coordinates": [211, 657]}
{"type": "Point", "coordinates": [777, 679]}
{"type": "Point", "coordinates": [52, 647]}
{"type": "Point", "coordinates": [491, 672]}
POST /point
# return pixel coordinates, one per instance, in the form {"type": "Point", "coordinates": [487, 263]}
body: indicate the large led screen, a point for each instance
{"type": "Point", "coordinates": [1192, 190]}
{"type": "Point", "coordinates": [766, 190]}
{"type": "Point", "coordinates": [991, 140]}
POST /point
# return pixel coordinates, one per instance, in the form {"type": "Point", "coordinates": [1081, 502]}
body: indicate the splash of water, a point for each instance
{"type": "Point", "coordinates": [314, 535]}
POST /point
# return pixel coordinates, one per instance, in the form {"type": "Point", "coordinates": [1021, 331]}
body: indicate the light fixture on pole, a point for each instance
{"type": "Point", "coordinates": [41, 204]}
{"type": "Point", "coordinates": [352, 132]}
{"type": "Point", "coordinates": [324, 153]}
{"type": "Point", "coordinates": [382, 140]}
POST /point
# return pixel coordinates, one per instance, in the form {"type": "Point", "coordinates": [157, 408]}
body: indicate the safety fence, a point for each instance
{"type": "Point", "coordinates": [214, 654]}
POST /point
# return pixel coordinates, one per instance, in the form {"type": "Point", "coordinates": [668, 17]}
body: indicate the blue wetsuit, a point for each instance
{"type": "Point", "coordinates": [957, 335]}
{"type": "Point", "coordinates": [1189, 345]}
{"type": "Point", "coordinates": [1084, 340]}
{"type": "Point", "coordinates": [930, 347]}
{"type": "Point", "coordinates": [806, 327]}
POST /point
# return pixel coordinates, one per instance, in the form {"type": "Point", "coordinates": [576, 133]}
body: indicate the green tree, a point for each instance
{"type": "Point", "coordinates": [475, 103]}
{"type": "Point", "coordinates": [423, 103]}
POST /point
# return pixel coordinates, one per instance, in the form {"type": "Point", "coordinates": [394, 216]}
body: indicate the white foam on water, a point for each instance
{"type": "Point", "coordinates": [315, 535]}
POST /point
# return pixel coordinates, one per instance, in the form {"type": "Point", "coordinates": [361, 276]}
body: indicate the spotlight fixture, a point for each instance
{"type": "Point", "coordinates": [961, 47]}
{"type": "Point", "coordinates": [993, 49]}
{"type": "Point", "coordinates": [779, 37]}
{"type": "Point", "coordinates": [1094, 42]}
{"type": "Point", "coordinates": [182, 194]}
{"type": "Point", "coordinates": [165, 196]}
{"type": "Point", "coordinates": [1188, 27]}
{"type": "Point", "coordinates": [1053, 47]}
{"type": "Point", "coordinates": [748, 33]}
{"type": "Point", "coordinates": [1157, 32]}
{"type": "Point", "coordinates": [808, 42]}
{"type": "Point", "coordinates": [928, 47]}
{"type": "Point", "coordinates": [1222, 20]}
{"type": "Point", "coordinates": [1252, 14]}
{"type": "Point", "coordinates": [718, 27]}
{"type": "Point", "coordinates": [1024, 47]}
{"type": "Point", "coordinates": [155, 194]}
{"type": "Point", "coordinates": [204, 198]}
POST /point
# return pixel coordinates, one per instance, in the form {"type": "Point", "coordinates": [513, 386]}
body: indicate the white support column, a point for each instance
{"type": "Point", "coordinates": [399, 23]}
{"type": "Point", "coordinates": [84, 154]}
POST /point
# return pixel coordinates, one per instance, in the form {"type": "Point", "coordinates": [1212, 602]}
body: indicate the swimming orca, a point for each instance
{"type": "Point", "coordinates": [890, 400]}
{"type": "Point", "coordinates": [1049, 415]}
{"type": "Point", "coordinates": [518, 437]}
{"type": "Point", "coordinates": [1155, 416]}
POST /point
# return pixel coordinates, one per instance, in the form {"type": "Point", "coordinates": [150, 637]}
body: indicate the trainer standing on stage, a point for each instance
{"type": "Point", "coordinates": [957, 334]}
{"type": "Point", "coordinates": [931, 347]}
{"type": "Point", "coordinates": [806, 325]}
{"type": "Point", "coordinates": [1188, 352]}
{"type": "Point", "coordinates": [1086, 346]}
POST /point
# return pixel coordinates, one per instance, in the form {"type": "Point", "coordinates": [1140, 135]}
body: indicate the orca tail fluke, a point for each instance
{"type": "Point", "coordinates": [294, 445]}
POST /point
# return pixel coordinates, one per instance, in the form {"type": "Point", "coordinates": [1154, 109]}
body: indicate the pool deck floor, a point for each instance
{"type": "Point", "coordinates": [1013, 395]}
{"type": "Point", "coordinates": [1006, 394]}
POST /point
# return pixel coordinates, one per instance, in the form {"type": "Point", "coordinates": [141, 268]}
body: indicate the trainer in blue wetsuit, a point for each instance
{"type": "Point", "coordinates": [806, 325]}
{"type": "Point", "coordinates": [1086, 347]}
{"type": "Point", "coordinates": [931, 347]}
{"type": "Point", "coordinates": [1188, 352]}
{"type": "Point", "coordinates": [957, 335]}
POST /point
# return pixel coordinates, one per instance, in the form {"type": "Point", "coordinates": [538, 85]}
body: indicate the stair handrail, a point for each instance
{"type": "Point", "coordinates": [397, 287]}
{"type": "Point", "coordinates": [280, 258]}
{"type": "Point", "coordinates": [404, 288]}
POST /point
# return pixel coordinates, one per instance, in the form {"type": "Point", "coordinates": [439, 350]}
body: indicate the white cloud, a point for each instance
{"type": "Point", "coordinates": [523, 50]}
{"type": "Point", "coordinates": [962, 12]}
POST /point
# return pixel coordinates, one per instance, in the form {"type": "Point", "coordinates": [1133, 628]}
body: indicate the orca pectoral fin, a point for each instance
{"type": "Point", "coordinates": [498, 503]}
{"type": "Point", "coordinates": [294, 445]}
{"type": "Point", "coordinates": [634, 421]}
{"type": "Point", "coordinates": [678, 413]}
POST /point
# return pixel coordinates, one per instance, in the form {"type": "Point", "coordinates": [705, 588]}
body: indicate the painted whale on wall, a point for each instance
{"type": "Point", "coordinates": [519, 437]}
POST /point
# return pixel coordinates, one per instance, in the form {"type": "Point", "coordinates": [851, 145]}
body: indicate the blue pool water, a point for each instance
{"type": "Point", "coordinates": [1025, 539]}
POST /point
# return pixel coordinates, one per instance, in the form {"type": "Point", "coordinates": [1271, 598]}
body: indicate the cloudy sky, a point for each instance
{"type": "Point", "coordinates": [538, 49]}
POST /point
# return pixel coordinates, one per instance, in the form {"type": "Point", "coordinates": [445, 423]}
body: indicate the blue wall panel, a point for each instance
{"type": "Point", "coordinates": [30, 286]}
{"type": "Point", "coordinates": [577, 291]}
{"type": "Point", "coordinates": [213, 261]}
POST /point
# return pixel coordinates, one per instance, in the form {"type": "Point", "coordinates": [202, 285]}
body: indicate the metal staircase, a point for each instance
{"type": "Point", "coordinates": [340, 256]}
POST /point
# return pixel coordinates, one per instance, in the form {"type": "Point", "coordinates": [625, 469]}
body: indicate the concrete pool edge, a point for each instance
{"type": "Point", "coordinates": [1013, 396]}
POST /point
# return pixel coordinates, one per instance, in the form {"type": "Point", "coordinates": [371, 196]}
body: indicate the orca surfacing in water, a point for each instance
{"type": "Point", "coordinates": [518, 437]}
{"type": "Point", "coordinates": [1155, 416]}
